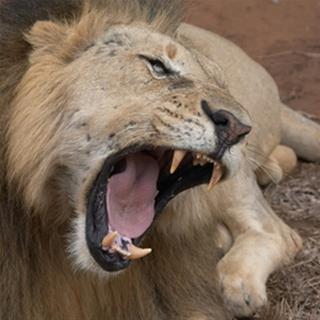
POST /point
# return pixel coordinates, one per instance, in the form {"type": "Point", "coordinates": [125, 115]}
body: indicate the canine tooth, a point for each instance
{"type": "Point", "coordinates": [178, 156]}
{"type": "Point", "coordinates": [109, 239]}
{"type": "Point", "coordinates": [216, 175]}
{"type": "Point", "coordinates": [138, 253]}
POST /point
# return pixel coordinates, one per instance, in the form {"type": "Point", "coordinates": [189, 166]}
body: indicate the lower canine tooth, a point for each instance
{"type": "Point", "coordinates": [178, 156]}
{"type": "Point", "coordinates": [137, 253]}
{"type": "Point", "coordinates": [108, 240]}
{"type": "Point", "coordinates": [216, 175]}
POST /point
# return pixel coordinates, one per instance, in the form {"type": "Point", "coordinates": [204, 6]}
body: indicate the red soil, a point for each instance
{"type": "Point", "coordinates": [283, 35]}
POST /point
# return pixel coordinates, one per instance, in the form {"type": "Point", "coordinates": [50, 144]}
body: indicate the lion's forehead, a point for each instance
{"type": "Point", "coordinates": [147, 41]}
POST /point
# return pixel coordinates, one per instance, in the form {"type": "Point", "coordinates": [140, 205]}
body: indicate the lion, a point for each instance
{"type": "Point", "coordinates": [126, 131]}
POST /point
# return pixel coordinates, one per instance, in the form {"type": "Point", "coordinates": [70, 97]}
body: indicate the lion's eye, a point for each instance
{"type": "Point", "coordinates": [158, 67]}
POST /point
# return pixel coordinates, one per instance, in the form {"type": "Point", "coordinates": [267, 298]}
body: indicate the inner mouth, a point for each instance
{"type": "Point", "coordinates": [131, 190]}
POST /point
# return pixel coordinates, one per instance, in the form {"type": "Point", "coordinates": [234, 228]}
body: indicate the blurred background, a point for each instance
{"type": "Point", "coordinates": [282, 35]}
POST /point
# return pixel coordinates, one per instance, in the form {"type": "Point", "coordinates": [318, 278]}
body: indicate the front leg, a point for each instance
{"type": "Point", "coordinates": [243, 272]}
{"type": "Point", "coordinates": [262, 242]}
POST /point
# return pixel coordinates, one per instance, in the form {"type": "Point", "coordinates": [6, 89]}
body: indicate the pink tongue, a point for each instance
{"type": "Point", "coordinates": [131, 195]}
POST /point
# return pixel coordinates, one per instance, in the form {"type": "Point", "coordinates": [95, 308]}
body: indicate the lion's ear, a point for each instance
{"type": "Point", "coordinates": [46, 33]}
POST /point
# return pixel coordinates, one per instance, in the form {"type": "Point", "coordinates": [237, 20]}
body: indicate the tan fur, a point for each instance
{"type": "Point", "coordinates": [68, 101]}
{"type": "Point", "coordinates": [269, 172]}
{"type": "Point", "coordinates": [301, 134]}
{"type": "Point", "coordinates": [280, 163]}
{"type": "Point", "coordinates": [286, 157]}
{"type": "Point", "coordinates": [171, 51]}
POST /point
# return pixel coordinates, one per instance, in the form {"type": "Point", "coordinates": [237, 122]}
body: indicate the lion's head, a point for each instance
{"type": "Point", "coordinates": [111, 119]}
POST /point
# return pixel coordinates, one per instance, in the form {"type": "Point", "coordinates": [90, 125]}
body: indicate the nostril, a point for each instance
{"type": "Point", "coordinates": [220, 118]}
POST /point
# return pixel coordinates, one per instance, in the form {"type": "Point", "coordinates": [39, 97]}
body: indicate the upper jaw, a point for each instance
{"type": "Point", "coordinates": [179, 170]}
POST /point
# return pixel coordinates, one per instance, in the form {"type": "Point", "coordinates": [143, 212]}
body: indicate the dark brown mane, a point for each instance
{"type": "Point", "coordinates": [18, 16]}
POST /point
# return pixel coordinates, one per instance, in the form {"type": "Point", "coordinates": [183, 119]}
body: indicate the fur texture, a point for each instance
{"type": "Point", "coordinates": [70, 72]}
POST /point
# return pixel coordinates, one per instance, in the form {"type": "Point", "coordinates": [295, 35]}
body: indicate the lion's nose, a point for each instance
{"type": "Point", "coordinates": [228, 127]}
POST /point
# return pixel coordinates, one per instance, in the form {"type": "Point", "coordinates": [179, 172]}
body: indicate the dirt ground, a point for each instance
{"type": "Point", "coordinates": [284, 36]}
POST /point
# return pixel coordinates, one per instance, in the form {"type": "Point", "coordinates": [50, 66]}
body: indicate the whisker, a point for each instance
{"type": "Point", "coordinates": [265, 171]}
{"type": "Point", "coordinates": [253, 149]}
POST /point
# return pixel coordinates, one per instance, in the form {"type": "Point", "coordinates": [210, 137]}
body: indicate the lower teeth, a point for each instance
{"type": "Point", "coordinates": [114, 242]}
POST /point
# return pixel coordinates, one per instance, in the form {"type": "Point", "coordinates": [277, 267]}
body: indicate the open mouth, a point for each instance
{"type": "Point", "coordinates": [131, 190]}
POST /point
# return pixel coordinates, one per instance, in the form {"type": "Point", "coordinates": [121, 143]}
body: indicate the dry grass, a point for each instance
{"type": "Point", "coordinates": [294, 291]}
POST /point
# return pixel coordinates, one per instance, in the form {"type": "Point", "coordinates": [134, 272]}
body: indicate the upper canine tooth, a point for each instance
{"type": "Point", "coordinates": [216, 175]}
{"type": "Point", "coordinates": [108, 240]}
{"type": "Point", "coordinates": [137, 253]}
{"type": "Point", "coordinates": [178, 156]}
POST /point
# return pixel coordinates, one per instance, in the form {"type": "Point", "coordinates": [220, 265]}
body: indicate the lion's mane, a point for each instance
{"type": "Point", "coordinates": [36, 277]}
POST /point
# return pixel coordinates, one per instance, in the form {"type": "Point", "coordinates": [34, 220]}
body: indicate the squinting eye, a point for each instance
{"type": "Point", "coordinates": [159, 68]}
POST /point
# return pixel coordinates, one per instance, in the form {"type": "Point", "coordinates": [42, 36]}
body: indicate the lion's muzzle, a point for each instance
{"type": "Point", "coordinates": [229, 129]}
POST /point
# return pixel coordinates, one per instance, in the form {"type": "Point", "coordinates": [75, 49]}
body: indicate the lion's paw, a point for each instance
{"type": "Point", "coordinates": [242, 292]}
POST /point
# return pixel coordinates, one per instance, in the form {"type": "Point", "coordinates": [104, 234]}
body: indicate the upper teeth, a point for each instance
{"type": "Point", "coordinates": [177, 158]}
{"type": "Point", "coordinates": [201, 159]}
{"type": "Point", "coordinates": [198, 159]}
